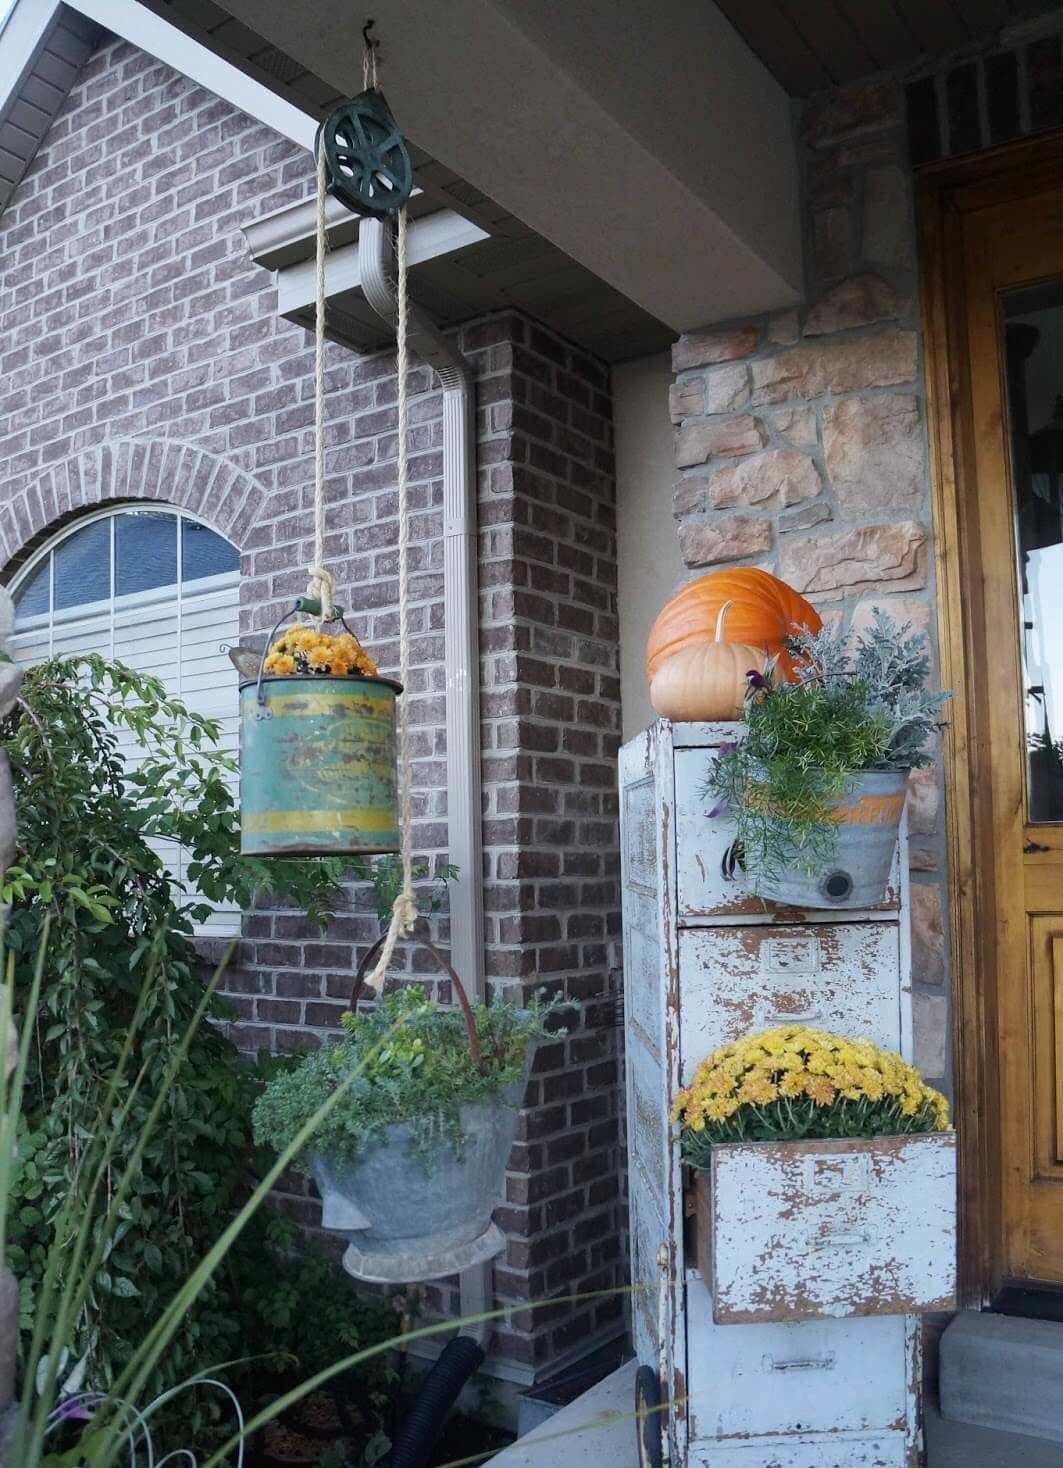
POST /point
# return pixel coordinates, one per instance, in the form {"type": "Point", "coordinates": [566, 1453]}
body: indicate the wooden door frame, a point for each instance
{"type": "Point", "coordinates": [944, 193]}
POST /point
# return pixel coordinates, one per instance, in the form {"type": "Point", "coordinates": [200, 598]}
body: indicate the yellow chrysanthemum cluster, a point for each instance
{"type": "Point", "coordinates": [794, 1064]}
{"type": "Point", "coordinates": [306, 649]}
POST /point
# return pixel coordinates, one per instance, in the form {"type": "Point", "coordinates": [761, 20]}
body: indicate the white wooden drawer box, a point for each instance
{"type": "Point", "coordinates": [707, 886]}
{"type": "Point", "coordinates": [833, 976]}
{"type": "Point", "coordinates": [818, 1376]}
{"type": "Point", "coordinates": [884, 1450]}
{"type": "Point", "coordinates": [800, 1230]}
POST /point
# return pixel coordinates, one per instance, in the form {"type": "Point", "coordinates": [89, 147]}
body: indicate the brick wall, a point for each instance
{"type": "Point", "coordinates": [142, 358]}
{"type": "Point", "coordinates": [801, 442]}
{"type": "Point", "coordinates": [551, 707]}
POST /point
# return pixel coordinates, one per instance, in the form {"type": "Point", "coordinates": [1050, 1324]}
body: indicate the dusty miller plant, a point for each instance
{"type": "Point", "coordinates": [852, 708]}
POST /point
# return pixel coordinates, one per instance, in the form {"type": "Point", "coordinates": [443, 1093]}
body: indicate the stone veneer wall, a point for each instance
{"type": "Point", "coordinates": [801, 441]}
{"type": "Point", "coordinates": [143, 359]}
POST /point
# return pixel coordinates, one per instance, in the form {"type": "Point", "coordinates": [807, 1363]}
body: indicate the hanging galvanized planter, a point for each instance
{"type": "Point", "coordinates": [317, 763]}
{"type": "Point", "coordinates": [403, 1222]}
{"type": "Point", "coordinates": [869, 818]}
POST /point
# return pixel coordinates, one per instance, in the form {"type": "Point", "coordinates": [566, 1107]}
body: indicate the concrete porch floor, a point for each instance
{"type": "Point", "coordinates": [597, 1431]}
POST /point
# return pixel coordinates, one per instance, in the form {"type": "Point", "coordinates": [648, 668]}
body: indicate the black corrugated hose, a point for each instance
{"type": "Point", "coordinates": [440, 1389]}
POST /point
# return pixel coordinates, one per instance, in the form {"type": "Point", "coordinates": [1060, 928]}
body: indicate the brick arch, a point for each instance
{"type": "Point", "coordinates": [226, 497]}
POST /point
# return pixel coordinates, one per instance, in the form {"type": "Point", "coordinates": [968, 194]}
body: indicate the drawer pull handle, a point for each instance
{"type": "Point", "coordinates": [839, 1239]}
{"type": "Point", "coordinates": [807, 1363]}
{"type": "Point", "coordinates": [794, 1017]}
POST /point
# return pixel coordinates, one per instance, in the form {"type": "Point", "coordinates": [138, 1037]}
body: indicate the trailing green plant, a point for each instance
{"type": "Point", "coordinates": [102, 763]}
{"type": "Point", "coordinates": [412, 1064]}
{"type": "Point", "coordinates": [850, 710]}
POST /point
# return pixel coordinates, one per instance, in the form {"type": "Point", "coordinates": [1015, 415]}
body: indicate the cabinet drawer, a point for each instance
{"type": "Point", "coordinates": [797, 1230]}
{"type": "Point", "coordinates": [704, 888]}
{"type": "Point", "coordinates": [843, 977]}
{"type": "Point", "coordinates": [886, 1450]}
{"type": "Point", "coordinates": [774, 1380]}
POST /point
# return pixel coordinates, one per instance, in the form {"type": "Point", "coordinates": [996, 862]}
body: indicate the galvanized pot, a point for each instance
{"type": "Point", "coordinates": [389, 1204]}
{"type": "Point", "coordinates": [869, 817]}
{"type": "Point", "coordinates": [405, 1221]}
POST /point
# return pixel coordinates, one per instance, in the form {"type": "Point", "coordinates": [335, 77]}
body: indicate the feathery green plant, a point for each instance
{"type": "Point", "coordinates": [850, 710]}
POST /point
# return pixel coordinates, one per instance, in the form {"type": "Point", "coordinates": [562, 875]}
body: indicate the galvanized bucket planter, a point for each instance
{"type": "Point", "coordinates": [869, 819]}
{"type": "Point", "coordinates": [405, 1222]}
{"type": "Point", "coordinates": [317, 766]}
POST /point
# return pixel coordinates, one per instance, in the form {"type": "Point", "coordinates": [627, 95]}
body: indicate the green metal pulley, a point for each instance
{"type": "Point", "coordinates": [366, 158]}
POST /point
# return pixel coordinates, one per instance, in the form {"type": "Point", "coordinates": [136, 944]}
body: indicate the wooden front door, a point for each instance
{"type": "Point", "coordinates": [1006, 394]}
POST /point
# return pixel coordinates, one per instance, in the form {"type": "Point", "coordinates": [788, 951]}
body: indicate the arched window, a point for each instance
{"type": "Point", "coordinates": [154, 589]}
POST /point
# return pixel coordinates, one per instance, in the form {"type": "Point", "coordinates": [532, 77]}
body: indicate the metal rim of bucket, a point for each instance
{"type": "Point", "coordinates": [392, 683]}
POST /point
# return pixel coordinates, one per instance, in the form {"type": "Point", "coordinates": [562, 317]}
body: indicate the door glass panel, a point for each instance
{"type": "Point", "coordinates": [1033, 335]}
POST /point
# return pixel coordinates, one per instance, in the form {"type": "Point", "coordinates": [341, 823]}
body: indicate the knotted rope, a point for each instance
{"type": "Point", "coordinates": [321, 584]}
{"type": "Point", "coordinates": [404, 911]}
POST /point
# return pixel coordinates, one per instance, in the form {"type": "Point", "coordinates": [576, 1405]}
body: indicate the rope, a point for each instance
{"type": "Point", "coordinates": [404, 912]}
{"type": "Point", "coordinates": [320, 582]}
{"type": "Point", "coordinates": [369, 61]}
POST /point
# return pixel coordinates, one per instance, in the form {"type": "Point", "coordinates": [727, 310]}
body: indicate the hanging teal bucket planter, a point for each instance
{"type": "Point", "coordinates": [317, 764]}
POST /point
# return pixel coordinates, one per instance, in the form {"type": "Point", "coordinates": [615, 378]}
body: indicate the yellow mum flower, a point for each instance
{"type": "Point", "coordinates": [759, 1090]}
{"type": "Point", "coordinates": [281, 663]}
{"type": "Point", "coordinates": [819, 1089]}
{"type": "Point", "coordinates": [719, 1108]}
{"type": "Point", "coordinates": [820, 1061]}
{"type": "Point", "coordinates": [792, 1083]}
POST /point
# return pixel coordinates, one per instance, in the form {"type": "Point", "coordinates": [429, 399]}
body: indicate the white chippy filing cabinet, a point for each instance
{"type": "Point", "coordinates": [706, 961]}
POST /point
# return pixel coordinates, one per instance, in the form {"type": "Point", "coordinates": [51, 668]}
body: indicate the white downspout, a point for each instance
{"type": "Point", "coordinates": [376, 263]}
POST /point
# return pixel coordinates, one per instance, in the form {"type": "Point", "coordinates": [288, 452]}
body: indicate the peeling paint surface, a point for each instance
{"type": "Point", "coordinates": [886, 1451]}
{"type": "Point", "coordinates": [833, 976]}
{"type": "Point", "coordinates": [807, 1229]}
{"type": "Point", "coordinates": [704, 962]}
{"type": "Point", "coordinates": [845, 1376]}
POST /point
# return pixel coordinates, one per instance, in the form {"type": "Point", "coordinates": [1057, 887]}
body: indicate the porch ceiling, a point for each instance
{"type": "Point", "coordinates": [639, 161]}
{"type": "Point", "coordinates": [808, 45]}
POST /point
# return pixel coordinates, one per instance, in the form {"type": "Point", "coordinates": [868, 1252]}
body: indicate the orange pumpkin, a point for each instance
{"type": "Point", "coordinates": [765, 612]}
{"type": "Point", "coordinates": [706, 680]}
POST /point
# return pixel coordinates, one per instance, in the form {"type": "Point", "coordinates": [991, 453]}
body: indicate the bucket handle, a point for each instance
{"type": "Point", "coordinates": [311, 605]}
{"type": "Point", "coordinates": [451, 972]}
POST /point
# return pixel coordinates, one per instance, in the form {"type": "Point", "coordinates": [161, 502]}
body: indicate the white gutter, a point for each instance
{"type": "Point", "coordinates": [461, 644]}
{"type": "Point", "coordinates": [430, 238]}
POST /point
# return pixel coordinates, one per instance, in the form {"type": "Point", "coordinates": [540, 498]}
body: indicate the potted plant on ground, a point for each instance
{"type": "Point", "coordinates": [412, 1162]}
{"type": "Point", "coordinates": [816, 785]}
{"type": "Point", "coordinates": [825, 1179]}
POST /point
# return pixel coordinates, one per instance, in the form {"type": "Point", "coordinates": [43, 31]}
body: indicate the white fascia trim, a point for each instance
{"type": "Point", "coordinates": [436, 234]}
{"type": "Point", "coordinates": [141, 27]}
{"type": "Point", "coordinates": [20, 40]}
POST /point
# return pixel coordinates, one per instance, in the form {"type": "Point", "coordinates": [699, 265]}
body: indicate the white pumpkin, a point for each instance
{"type": "Point", "coordinates": [708, 680]}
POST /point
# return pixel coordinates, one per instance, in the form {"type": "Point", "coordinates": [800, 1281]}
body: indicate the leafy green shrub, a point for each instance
{"type": "Point", "coordinates": [120, 926]}
{"type": "Point", "coordinates": [414, 1065]}
{"type": "Point", "coordinates": [848, 712]}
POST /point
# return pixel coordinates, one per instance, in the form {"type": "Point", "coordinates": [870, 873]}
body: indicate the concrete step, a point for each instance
{"type": "Point", "coordinates": [597, 1430]}
{"type": "Point", "coordinates": [959, 1445]}
{"type": "Point", "coordinates": [1005, 1373]}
